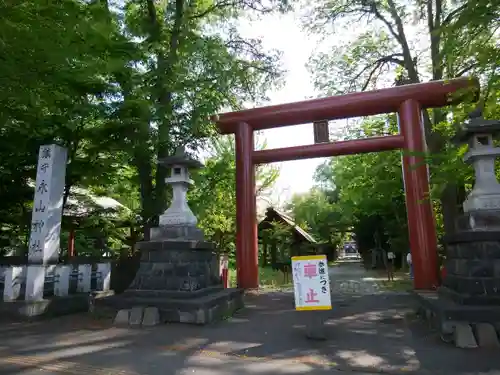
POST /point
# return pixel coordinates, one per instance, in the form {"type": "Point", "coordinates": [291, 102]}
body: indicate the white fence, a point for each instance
{"type": "Point", "coordinates": [58, 280]}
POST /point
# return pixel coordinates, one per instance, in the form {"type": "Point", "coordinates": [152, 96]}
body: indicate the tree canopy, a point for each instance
{"type": "Point", "coordinates": [397, 43]}
{"type": "Point", "coordinates": [120, 85]}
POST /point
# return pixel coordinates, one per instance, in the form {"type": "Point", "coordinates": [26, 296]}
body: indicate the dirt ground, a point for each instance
{"type": "Point", "coordinates": [369, 331]}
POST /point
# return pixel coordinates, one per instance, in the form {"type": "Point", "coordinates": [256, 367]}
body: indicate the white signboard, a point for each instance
{"type": "Point", "coordinates": [311, 283]}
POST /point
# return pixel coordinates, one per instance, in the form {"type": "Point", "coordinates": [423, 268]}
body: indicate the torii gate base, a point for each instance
{"type": "Point", "coordinates": [408, 101]}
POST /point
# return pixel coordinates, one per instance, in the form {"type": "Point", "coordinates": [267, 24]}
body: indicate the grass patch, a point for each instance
{"type": "Point", "coordinates": [271, 279]}
{"type": "Point", "coordinates": [268, 279]}
{"type": "Point", "coordinates": [400, 284]}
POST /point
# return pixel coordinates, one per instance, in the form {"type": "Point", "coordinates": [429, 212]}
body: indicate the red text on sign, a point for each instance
{"type": "Point", "coordinates": [310, 270]}
{"type": "Point", "coordinates": [310, 297]}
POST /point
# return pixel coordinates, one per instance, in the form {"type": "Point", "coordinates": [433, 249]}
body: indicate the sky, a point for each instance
{"type": "Point", "coordinates": [284, 33]}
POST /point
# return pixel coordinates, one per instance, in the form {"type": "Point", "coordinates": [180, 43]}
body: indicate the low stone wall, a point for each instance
{"type": "Point", "coordinates": [35, 289]}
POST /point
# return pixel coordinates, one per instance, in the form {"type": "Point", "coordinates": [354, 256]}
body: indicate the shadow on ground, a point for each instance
{"type": "Point", "coordinates": [371, 334]}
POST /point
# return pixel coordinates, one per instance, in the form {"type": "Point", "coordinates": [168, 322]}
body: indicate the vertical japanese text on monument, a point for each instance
{"type": "Point", "coordinates": [40, 202]}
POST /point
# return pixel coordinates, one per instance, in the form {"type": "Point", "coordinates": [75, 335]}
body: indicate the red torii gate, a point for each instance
{"type": "Point", "coordinates": [408, 101]}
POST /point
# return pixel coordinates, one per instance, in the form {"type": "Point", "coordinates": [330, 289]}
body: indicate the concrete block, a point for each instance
{"type": "Point", "coordinates": [212, 314]}
{"type": "Point", "coordinates": [136, 315]}
{"type": "Point", "coordinates": [13, 279]}
{"type": "Point", "coordinates": [151, 317]}
{"type": "Point", "coordinates": [464, 337]}
{"type": "Point", "coordinates": [35, 279]}
{"type": "Point", "coordinates": [200, 317]}
{"type": "Point", "coordinates": [122, 317]}
{"type": "Point", "coordinates": [61, 280]}
{"type": "Point", "coordinates": [104, 276]}
{"type": "Point", "coordinates": [186, 317]}
{"type": "Point", "coordinates": [315, 324]}
{"type": "Point", "coordinates": [487, 336]}
{"type": "Point", "coordinates": [84, 278]}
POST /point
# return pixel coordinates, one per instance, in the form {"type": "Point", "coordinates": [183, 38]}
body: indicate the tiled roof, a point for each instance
{"type": "Point", "coordinates": [287, 219]}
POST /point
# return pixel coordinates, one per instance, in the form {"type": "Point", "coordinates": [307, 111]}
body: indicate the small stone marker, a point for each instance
{"type": "Point", "coordinates": [136, 314]}
{"type": "Point", "coordinates": [151, 317]}
{"type": "Point", "coordinates": [487, 336]}
{"type": "Point", "coordinates": [464, 337]}
{"type": "Point", "coordinates": [122, 317]}
{"type": "Point", "coordinates": [312, 292]}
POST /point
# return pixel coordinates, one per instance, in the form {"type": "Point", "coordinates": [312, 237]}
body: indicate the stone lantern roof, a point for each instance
{"type": "Point", "coordinates": [181, 159]}
{"type": "Point", "coordinates": [477, 125]}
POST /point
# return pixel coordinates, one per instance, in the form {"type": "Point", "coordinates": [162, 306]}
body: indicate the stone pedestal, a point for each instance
{"type": "Point", "coordinates": [466, 308]}
{"type": "Point", "coordinates": [178, 266]}
{"type": "Point", "coordinates": [473, 260]}
{"type": "Point", "coordinates": [181, 280]}
{"type": "Point", "coordinates": [178, 279]}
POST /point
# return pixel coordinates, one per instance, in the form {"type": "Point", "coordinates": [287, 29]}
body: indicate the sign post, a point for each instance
{"type": "Point", "coordinates": [312, 290]}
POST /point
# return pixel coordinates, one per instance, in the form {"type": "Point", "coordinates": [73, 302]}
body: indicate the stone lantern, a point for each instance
{"type": "Point", "coordinates": [178, 221]}
{"type": "Point", "coordinates": [468, 305]}
{"type": "Point", "coordinates": [178, 279]}
{"type": "Point", "coordinates": [473, 251]}
{"type": "Point", "coordinates": [482, 153]}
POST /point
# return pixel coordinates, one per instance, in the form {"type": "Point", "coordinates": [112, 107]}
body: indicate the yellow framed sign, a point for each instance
{"type": "Point", "coordinates": [311, 283]}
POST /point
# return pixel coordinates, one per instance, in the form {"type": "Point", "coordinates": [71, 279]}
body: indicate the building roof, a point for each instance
{"type": "Point", "coordinates": [82, 203]}
{"type": "Point", "coordinates": [272, 214]}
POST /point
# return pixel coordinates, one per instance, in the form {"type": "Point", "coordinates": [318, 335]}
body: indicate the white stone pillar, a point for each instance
{"type": "Point", "coordinates": [35, 280]}
{"type": "Point", "coordinates": [104, 276]}
{"type": "Point", "coordinates": [46, 217]}
{"type": "Point", "coordinates": [14, 277]}
{"type": "Point", "coordinates": [84, 275]}
{"type": "Point", "coordinates": [61, 280]}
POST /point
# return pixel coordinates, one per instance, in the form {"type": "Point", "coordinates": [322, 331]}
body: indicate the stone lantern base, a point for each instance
{"type": "Point", "coordinates": [466, 309]}
{"type": "Point", "coordinates": [178, 279]}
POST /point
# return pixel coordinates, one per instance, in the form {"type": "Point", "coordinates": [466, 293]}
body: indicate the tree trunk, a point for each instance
{"type": "Point", "coordinates": [164, 75]}
{"type": "Point", "coordinates": [143, 166]}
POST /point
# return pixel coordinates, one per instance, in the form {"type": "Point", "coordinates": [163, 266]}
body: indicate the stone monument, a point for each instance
{"type": "Point", "coordinates": [467, 306]}
{"type": "Point", "coordinates": [42, 285]}
{"type": "Point", "coordinates": [178, 278]}
{"type": "Point", "coordinates": [46, 218]}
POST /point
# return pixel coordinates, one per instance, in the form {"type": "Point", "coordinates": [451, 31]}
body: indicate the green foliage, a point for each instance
{"type": "Point", "coordinates": [401, 42]}
{"type": "Point", "coordinates": [213, 198]}
{"type": "Point", "coordinates": [120, 85]}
